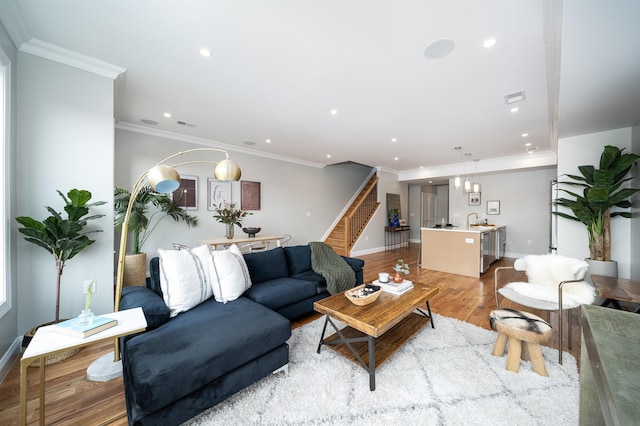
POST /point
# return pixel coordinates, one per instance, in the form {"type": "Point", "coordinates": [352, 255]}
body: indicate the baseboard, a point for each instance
{"type": "Point", "coordinates": [10, 357]}
{"type": "Point", "coordinates": [367, 251]}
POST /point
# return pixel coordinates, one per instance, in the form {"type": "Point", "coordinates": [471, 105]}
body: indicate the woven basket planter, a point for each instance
{"type": "Point", "coordinates": [51, 359]}
{"type": "Point", "coordinates": [135, 270]}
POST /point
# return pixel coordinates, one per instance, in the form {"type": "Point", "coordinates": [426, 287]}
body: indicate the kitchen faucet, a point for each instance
{"type": "Point", "coordinates": [471, 214]}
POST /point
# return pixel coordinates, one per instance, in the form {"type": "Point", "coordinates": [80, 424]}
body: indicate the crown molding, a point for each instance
{"type": "Point", "coordinates": [137, 128]}
{"type": "Point", "coordinates": [516, 162]}
{"type": "Point", "coordinates": [73, 59]}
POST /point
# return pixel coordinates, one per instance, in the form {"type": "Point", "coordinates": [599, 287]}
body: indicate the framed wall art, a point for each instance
{"type": "Point", "coordinates": [187, 193]}
{"type": "Point", "coordinates": [249, 195]}
{"type": "Point", "coordinates": [474, 198]}
{"type": "Point", "coordinates": [218, 191]}
{"type": "Point", "coordinates": [493, 207]}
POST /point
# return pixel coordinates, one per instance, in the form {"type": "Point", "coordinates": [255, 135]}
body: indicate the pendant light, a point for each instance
{"type": "Point", "coordinates": [456, 180]}
{"type": "Point", "coordinates": [476, 186]}
{"type": "Point", "coordinates": [467, 181]}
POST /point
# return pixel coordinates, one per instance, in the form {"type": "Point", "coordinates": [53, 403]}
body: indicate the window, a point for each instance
{"type": "Point", "coordinates": [5, 249]}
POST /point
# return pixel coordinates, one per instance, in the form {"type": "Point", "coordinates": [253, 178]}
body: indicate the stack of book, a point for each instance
{"type": "Point", "coordinates": [395, 288]}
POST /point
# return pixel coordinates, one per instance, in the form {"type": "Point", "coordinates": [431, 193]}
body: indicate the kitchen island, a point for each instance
{"type": "Point", "coordinates": [463, 251]}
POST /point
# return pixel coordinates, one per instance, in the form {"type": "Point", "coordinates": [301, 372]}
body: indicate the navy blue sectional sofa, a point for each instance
{"type": "Point", "coordinates": [181, 366]}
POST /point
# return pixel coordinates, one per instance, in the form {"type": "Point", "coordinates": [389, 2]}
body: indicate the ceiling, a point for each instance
{"type": "Point", "coordinates": [278, 68]}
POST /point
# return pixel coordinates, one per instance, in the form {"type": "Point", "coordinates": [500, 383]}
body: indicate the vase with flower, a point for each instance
{"type": "Point", "coordinates": [230, 215]}
{"type": "Point", "coordinates": [400, 267]}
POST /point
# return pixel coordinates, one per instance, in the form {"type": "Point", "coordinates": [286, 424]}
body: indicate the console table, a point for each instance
{"type": "Point", "coordinates": [390, 237]}
{"type": "Point", "coordinates": [609, 367]}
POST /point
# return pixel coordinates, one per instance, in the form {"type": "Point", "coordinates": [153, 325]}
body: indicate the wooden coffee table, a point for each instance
{"type": "Point", "coordinates": [377, 330]}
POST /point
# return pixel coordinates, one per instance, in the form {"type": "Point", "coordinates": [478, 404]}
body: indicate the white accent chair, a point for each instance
{"type": "Point", "coordinates": [554, 283]}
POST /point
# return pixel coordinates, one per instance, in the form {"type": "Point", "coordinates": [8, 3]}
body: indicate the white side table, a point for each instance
{"type": "Point", "coordinates": [47, 342]}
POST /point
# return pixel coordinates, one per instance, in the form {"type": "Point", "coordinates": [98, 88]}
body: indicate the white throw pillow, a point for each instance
{"type": "Point", "coordinates": [229, 274]}
{"type": "Point", "coordinates": [184, 278]}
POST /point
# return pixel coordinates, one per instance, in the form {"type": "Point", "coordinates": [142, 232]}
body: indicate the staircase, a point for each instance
{"type": "Point", "coordinates": [349, 228]}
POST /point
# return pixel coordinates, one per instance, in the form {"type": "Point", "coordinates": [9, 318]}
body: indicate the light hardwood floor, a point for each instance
{"type": "Point", "coordinates": [72, 400]}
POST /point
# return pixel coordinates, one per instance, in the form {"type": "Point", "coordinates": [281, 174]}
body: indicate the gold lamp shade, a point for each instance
{"type": "Point", "coordinates": [227, 170]}
{"type": "Point", "coordinates": [163, 178]}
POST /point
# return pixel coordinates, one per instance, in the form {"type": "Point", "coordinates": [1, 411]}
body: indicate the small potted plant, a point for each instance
{"type": "Point", "coordinates": [230, 215]}
{"type": "Point", "coordinates": [400, 267]}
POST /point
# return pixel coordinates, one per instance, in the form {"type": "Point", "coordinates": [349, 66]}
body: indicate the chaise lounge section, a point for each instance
{"type": "Point", "coordinates": [183, 365]}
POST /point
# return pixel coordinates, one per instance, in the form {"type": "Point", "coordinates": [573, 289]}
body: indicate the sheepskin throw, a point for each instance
{"type": "Point", "coordinates": [545, 272]}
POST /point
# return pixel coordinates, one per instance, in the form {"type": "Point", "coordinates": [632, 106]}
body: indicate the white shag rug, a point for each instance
{"type": "Point", "coordinates": [442, 376]}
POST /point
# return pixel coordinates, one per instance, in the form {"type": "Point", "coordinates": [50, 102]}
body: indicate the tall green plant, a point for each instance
{"type": "Point", "coordinates": [602, 192]}
{"type": "Point", "coordinates": [63, 238]}
{"type": "Point", "coordinates": [143, 220]}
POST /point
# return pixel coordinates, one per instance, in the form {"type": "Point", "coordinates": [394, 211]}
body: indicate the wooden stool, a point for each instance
{"type": "Point", "coordinates": [520, 327]}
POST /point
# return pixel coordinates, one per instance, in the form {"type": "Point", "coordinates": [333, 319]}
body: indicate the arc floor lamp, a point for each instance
{"type": "Point", "coordinates": [162, 178]}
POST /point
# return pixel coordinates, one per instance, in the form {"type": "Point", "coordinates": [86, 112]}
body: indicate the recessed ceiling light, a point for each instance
{"type": "Point", "coordinates": [514, 109]}
{"type": "Point", "coordinates": [394, 139]}
{"type": "Point", "coordinates": [166, 114]}
{"type": "Point", "coordinates": [334, 112]}
{"type": "Point", "coordinates": [267, 140]}
{"type": "Point", "coordinates": [527, 144]}
{"type": "Point", "coordinates": [524, 135]}
{"type": "Point", "coordinates": [328, 155]}
{"type": "Point", "coordinates": [205, 52]}
{"type": "Point", "coordinates": [430, 181]}
{"type": "Point", "coordinates": [490, 42]}
{"type": "Point", "coordinates": [439, 48]}
{"type": "Point", "coordinates": [396, 158]}
{"type": "Point", "coordinates": [149, 122]}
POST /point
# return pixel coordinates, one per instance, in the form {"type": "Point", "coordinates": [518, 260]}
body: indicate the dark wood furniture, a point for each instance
{"type": "Point", "coordinates": [375, 331]}
{"type": "Point", "coordinates": [609, 367]}
{"type": "Point", "coordinates": [394, 233]}
{"type": "Point", "coordinates": [615, 289]}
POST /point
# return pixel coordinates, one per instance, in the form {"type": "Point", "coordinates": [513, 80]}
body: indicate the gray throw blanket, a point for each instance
{"type": "Point", "coordinates": [333, 268]}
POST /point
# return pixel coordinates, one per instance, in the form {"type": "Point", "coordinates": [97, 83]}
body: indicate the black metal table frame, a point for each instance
{"type": "Point", "coordinates": [371, 367]}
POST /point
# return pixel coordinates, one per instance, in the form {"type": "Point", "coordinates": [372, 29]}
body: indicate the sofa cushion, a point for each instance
{"type": "Point", "coordinates": [156, 312]}
{"type": "Point", "coordinates": [228, 273]}
{"type": "Point", "coordinates": [267, 265]}
{"type": "Point", "coordinates": [298, 259]}
{"type": "Point", "coordinates": [281, 292]}
{"type": "Point", "coordinates": [184, 278]}
{"type": "Point", "coordinates": [197, 347]}
{"type": "Point", "coordinates": [318, 280]}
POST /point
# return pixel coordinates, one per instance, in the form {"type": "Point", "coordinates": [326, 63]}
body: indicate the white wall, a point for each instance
{"type": "Point", "coordinates": [65, 141]}
{"type": "Point", "coordinates": [524, 207]}
{"type": "Point", "coordinates": [296, 199]}
{"type": "Point", "coordinates": [572, 236]}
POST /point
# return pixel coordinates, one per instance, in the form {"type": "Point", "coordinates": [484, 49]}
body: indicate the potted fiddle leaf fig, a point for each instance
{"type": "Point", "coordinates": [63, 237]}
{"type": "Point", "coordinates": [149, 209]}
{"type": "Point", "coordinates": [602, 198]}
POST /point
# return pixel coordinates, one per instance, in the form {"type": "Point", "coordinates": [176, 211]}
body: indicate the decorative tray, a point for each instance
{"type": "Point", "coordinates": [363, 294]}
